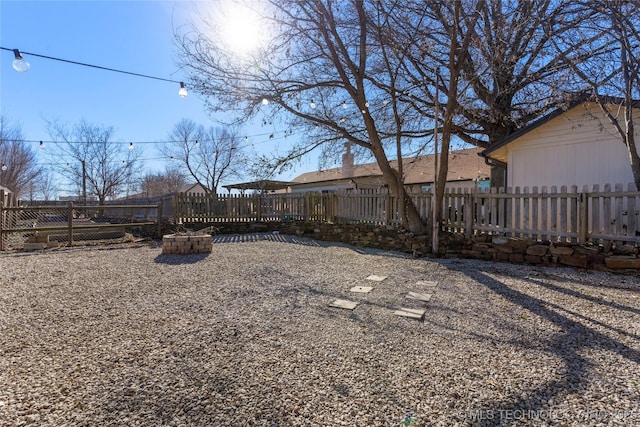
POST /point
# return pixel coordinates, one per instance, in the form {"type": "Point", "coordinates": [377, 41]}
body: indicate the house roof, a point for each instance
{"type": "Point", "coordinates": [187, 188]}
{"type": "Point", "coordinates": [579, 100]}
{"type": "Point", "coordinates": [463, 165]}
{"type": "Point", "coordinates": [263, 184]}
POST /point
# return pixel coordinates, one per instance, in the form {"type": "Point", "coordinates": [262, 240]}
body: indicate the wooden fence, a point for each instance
{"type": "Point", "coordinates": [250, 208]}
{"type": "Point", "coordinates": [556, 214]}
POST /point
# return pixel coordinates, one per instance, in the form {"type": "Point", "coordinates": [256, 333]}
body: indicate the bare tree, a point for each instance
{"type": "Point", "coordinates": [385, 61]}
{"type": "Point", "coordinates": [511, 74]}
{"type": "Point", "coordinates": [19, 168]}
{"type": "Point", "coordinates": [314, 76]}
{"type": "Point", "coordinates": [46, 187]}
{"type": "Point", "coordinates": [170, 181]}
{"type": "Point", "coordinates": [210, 156]}
{"type": "Point", "coordinates": [94, 160]}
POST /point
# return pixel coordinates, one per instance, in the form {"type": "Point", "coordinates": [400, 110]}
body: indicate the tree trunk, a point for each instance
{"type": "Point", "coordinates": [411, 219]}
{"type": "Point", "coordinates": [633, 149]}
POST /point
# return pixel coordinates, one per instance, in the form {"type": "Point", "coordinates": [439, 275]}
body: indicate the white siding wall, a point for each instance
{"type": "Point", "coordinates": [579, 148]}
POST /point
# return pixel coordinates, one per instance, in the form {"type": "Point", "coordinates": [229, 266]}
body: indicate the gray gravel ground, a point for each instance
{"type": "Point", "coordinates": [124, 335]}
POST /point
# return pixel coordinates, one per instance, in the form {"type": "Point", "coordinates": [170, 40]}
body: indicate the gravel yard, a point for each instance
{"type": "Point", "coordinates": [124, 335]}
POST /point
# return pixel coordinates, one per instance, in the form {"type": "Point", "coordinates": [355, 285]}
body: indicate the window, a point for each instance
{"type": "Point", "coordinates": [483, 184]}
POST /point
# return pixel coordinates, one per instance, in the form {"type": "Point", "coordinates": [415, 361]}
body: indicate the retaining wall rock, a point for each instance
{"type": "Point", "coordinates": [609, 257]}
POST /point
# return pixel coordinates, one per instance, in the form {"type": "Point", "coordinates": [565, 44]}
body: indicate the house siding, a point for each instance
{"type": "Point", "coordinates": [579, 148]}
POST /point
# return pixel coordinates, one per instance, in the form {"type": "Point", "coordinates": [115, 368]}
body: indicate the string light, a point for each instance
{"type": "Point", "coordinates": [4, 167]}
{"type": "Point", "coordinates": [41, 145]}
{"type": "Point", "coordinates": [312, 105]}
{"type": "Point", "coordinates": [245, 138]}
{"type": "Point", "coordinates": [182, 93]}
{"type": "Point", "coordinates": [21, 65]}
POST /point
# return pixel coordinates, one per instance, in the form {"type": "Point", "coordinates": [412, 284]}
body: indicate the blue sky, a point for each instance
{"type": "Point", "coordinates": [135, 36]}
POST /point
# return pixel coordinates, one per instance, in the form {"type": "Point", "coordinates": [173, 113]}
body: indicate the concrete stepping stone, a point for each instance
{"type": "Point", "coordinates": [375, 278]}
{"type": "Point", "coordinates": [343, 303]}
{"type": "Point", "coordinates": [412, 313]}
{"type": "Point", "coordinates": [361, 289]}
{"type": "Point", "coordinates": [419, 297]}
{"type": "Point", "coordinates": [427, 283]}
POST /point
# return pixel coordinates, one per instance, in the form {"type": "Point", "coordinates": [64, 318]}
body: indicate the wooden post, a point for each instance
{"type": "Point", "coordinates": [632, 225]}
{"type": "Point", "coordinates": [563, 212]}
{"type": "Point", "coordinates": [259, 208]}
{"type": "Point", "coordinates": [3, 237]}
{"type": "Point", "coordinates": [389, 204]}
{"type": "Point", "coordinates": [583, 224]}
{"type": "Point", "coordinates": [176, 207]}
{"type": "Point", "coordinates": [334, 207]}
{"type": "Point", "coordinates": [468, 212]}
{"type": "Point", "coordinates": [70, 224]}
{"type": "Point", "coordinates": [159, 207]}
{"type": "Point", "coordinates": [307, 206]}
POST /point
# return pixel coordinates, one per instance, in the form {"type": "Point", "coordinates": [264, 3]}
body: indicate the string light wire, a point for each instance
{"type": "Point", "coordinates": [84, 64]}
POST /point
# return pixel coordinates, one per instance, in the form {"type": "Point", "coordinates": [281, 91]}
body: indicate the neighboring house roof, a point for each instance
{"type": "Point", "coordinates": [463, 165]}
{"type": "Point", "coordinates": [263, 184]}
{"type": "Point", "coordinates": [579, 100]}
{"type": "Point", "coordinates": [192, 188]}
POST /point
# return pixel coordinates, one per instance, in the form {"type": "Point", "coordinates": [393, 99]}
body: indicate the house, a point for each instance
{"type": "Point", "coordinates": [194, 189]}
{"type": "Point", "coordinates": [466, 170]}
{"type": "Point", "coordinates": [576, 145]}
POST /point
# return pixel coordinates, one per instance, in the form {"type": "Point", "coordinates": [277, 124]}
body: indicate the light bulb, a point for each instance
{"type": "Point", "coordinates": [197, 143]}
{"type": "Point", "coordinates": [344, 104]}
{"type": "Point", "coordinates": [19, 64]}
{"type": "Point", "coordinates": [131, 146]}
{"type": "Point", "coordinates": [265, 101]}
{"type": "Point", "coordinates": [182, 93]}
{"type": "Point", "coordinates": [4, 167]}
{"type": "Point", "coordinates": [312, 105]}
{"type": "Point", "coordinates": [41, 145]}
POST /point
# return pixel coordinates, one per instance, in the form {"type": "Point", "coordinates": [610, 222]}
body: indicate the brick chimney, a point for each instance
{"type": "Point", "coordinates": [347, 162]}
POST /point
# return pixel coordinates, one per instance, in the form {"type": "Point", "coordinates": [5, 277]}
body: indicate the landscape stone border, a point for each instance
{"type": "Point", "coordinates": [621, 258]}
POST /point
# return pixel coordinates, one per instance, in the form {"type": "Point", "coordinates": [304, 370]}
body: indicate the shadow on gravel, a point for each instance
{"type": "Point", "coordinates": [173, 259]}
{"type": "Point", "coordinates": [575, 338]}
{"type": "Point", "coordinates": [305, 241]}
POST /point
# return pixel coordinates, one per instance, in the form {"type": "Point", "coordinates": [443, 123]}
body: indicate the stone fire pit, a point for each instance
{"type": "Point", "coordinates": [183, 244]}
